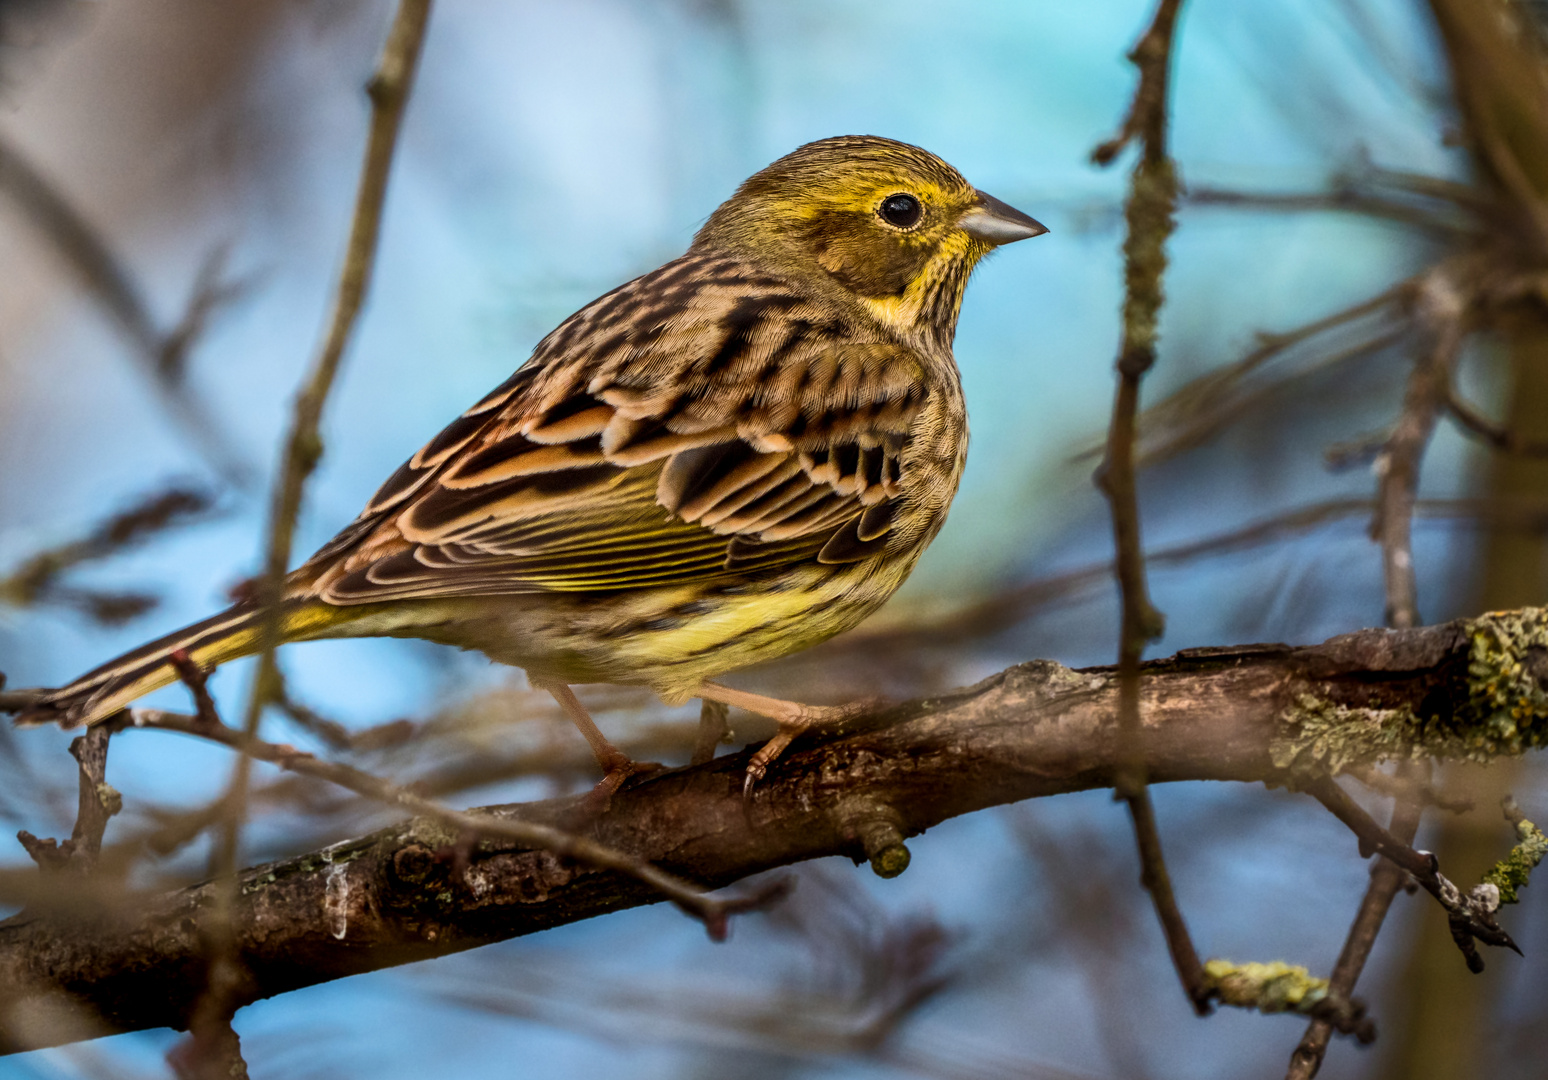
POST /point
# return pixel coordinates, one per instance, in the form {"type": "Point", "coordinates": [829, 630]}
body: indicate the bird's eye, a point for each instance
{"type": "Point", "coordinates": [901, 210]}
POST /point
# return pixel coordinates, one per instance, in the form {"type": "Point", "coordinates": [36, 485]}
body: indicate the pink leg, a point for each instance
{"type": "Point", "coordinates": [616, 765]}
{"type": "Point", "coordinates": [791, 716]}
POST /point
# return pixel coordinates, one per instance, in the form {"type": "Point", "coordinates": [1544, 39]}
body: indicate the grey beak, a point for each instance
{"type": "Point", "coordinates": [996, 222]}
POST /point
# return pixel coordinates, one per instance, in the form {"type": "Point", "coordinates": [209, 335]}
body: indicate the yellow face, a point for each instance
{"type": "Point", "coordinates": [890, 223]}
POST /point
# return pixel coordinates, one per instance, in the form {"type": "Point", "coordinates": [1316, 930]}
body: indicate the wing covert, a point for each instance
{"type": "Point", "coordinates": [704, 420]}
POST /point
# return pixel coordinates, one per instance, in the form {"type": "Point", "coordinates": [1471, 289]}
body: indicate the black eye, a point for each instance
{"type": "Point", "coordinates": [901, 210]}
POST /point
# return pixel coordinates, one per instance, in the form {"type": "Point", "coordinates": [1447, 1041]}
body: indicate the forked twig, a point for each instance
{"type": "Point", "coordinates": [1471, 914]}
{"type": "Point", "coordinates": [1387, 879]}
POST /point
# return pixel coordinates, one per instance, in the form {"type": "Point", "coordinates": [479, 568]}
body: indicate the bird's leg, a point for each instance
{"type": "Point", "coordinates": [616, 765]}
{"type": "Point", "coordinates": [791, 716]}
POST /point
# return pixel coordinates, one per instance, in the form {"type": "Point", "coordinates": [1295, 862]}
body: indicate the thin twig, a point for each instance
{"type": "Point", "coordinates": [37, 579]}
{"type": "Point", "coordinates": [1442, 306]}
{"type": "Point", "coordinates": [712, 911]}
{"type": "Point", "coordinates": [1184, 418]}
{"type": "Point", "coordinates": [389, 90]}
{"type": "Point", "coordinates": [1387, 879]}
{"type": "Point", "coordinates": [1149, 214]}
{"type": "Point", "coordinates": [1471, 914]}
{"type": "Point", "coordinates": [1019, 602]}
{"type": "Point", "coordinates": [1340, 198]}
{"type": "Point", "coordinates": [89, 255]}
{"type": "Point", "coordinates": [1477, 424]}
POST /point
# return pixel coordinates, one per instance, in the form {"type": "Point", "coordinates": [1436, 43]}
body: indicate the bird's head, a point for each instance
{"type": "Point", "coordinates": [891, 224]}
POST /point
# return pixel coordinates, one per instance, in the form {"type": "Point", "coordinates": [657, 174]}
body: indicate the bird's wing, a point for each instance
{"type": "Point", "coordinates": [700, 421]}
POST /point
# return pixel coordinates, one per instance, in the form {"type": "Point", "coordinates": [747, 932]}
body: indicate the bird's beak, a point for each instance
{"type": "Point", "coordinates": [995, 222]}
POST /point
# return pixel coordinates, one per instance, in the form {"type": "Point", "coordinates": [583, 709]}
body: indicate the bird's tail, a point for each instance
{"type": "Point", "coordinates": [233, 633]}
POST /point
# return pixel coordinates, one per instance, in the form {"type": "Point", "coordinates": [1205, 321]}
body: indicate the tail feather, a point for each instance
{"type": "Point", "coordinates": [102, 692]}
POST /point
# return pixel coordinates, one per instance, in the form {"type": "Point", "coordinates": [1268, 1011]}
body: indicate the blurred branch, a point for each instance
{"type": "Point", "coordinates": [1387, 878]}
{"type": "Point", "coordinates": [1452, 210]}
{"type": "Point", "coordinates": [207, 725]}
{"type": "Point", "coordinates": [1018, 602]}
{"type": "Point", "coordinates": [1038, 729]}
{"type": "Point", "coordinates": [1501, 90]}
{"type": "Point", "coordinates": [37, 579]}
{"type": "Point", "coordinates": [1204, 405]}
{"type": "Point", "coordinates": [1148, 213]}
{"type": "Point", "coordinates": [1442, 306]}
{"type": "Point", "coordinates": [164, 355]}
{"type": "Point", "coordinates": [1477, 424]}
{"type": "Point", "coordinates": [388, 90]}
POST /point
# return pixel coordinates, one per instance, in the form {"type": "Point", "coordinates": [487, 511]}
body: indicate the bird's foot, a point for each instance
{"type": "Point", "coordinates": [619, 768]}
{"type": "Point", "coordinates": [795, 720]}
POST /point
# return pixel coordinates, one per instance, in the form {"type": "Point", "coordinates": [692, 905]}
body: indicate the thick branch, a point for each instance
{"type": "Point", "coordinates": [1254, 713]}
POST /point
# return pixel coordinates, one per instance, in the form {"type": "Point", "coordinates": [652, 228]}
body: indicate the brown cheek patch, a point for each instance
{"type": "Point", "coordinates": [864, 258]}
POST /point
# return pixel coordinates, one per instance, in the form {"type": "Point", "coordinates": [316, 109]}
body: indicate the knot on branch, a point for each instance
{"type": "Point", "coordinates": [878, 829]}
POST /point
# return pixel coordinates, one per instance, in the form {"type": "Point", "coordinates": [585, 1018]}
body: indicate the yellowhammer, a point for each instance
{"type": "Point", "coordinates": [733, 457]}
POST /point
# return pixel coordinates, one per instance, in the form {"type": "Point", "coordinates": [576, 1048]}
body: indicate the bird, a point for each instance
{"type": "Point", "coordinates": [728, 459]}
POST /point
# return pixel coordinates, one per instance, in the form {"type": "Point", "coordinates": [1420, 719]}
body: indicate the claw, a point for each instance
{"type": "Point", "coordinates": [792, 718]}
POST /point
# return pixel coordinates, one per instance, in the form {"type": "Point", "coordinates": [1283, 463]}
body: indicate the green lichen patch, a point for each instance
{"type": "Point", "coordinates": [1506, 710]}
{"type": "Point", "coordinates": [1274, 987]}
{"type": "Point", "coordinates": [1511, 873]}
{"type": "Point", "coordinates": [1327, 735]}
{"type": "Point", "coordinates": [1500, 709]}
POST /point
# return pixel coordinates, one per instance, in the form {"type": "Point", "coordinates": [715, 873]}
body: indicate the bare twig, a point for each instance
{"type": "Point", "coordinates": [712, 911]}
{"type": "Point", "coordinates": [1195, 410]}
{"type": "Point", "coordinates": [89, 255]}
{"type": "Point", "coordinates": [1146, 118]}
{"type": "Point", "coordinates": [1477, 424]}
{"type": "Point", "coordinates": [389, 90]}
{"type": "Point", "coordinates": [1386, 880]}
{"type": "Point", "coordinates": [37, 579]}
{"type": "Point", "coordinates": [1471, 914]}
{"type": "Point", "coordinates": [1019, 602]}
{"type": "Point", "coordinates": [1341, 197]}
{"type": "Point", "coordinates": [1148, 212]}
{"type": "Point", "coordinates": [1442, 307]}
{"type": "Point", "coordinates": [97, 805]}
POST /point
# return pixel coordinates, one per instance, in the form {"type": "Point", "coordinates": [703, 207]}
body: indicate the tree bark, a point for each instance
{"type": "Point", "coordinates": [1267, 713]}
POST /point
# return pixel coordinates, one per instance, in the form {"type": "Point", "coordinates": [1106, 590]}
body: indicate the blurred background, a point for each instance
{"type": "Point", "coordinates": [175, 183]}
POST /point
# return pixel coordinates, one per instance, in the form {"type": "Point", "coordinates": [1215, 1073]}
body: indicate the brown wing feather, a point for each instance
{"type": "Point", "coordinates": [703, 420]}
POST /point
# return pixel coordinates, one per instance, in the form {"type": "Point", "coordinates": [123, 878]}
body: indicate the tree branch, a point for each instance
{"type": "Point", "coordinates": [1253, 713]}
